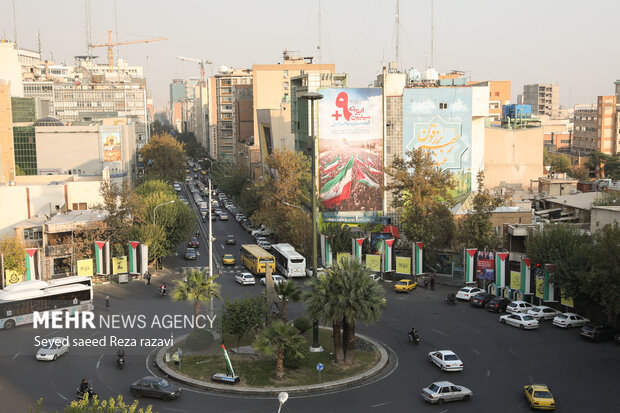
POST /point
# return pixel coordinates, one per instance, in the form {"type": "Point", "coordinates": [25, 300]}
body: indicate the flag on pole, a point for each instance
{"type": "Point", "coordinates": [330, 166]}
{"type": "Point", "coordinates": [470, 253]}
{"type": "Point", "coordinates": [339, 188]}
{"type": "Point", "coordinates": [133, 257]}
{"type": "Point", "coordinates": [419, 249]}
{"type": "Point", "coordinates": [32, 263]}
{"type": "Point", "coordinates": [357, 248]}
{"type": "Point", "coordinates": [101, 257]}
{"type": "Point", "coordinates": [387, 255]}
{"type": "Point", "coordinates": [326, 251]}
{"type": "Point", "coordinates": [500, 269]}
{"type": "Point", "coordinates": [231, 372]}
{"type": "Point", "coordinates": [144, 258]}
{"type": "Point", "coordinates": [526, 275]}
{"type": "Point", "coordinates": [549, 287]}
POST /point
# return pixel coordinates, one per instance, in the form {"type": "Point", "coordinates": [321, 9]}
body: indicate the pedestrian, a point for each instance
{"type": "Point", "coordinates": [107, 303]}
{"type": "Point", "coordinates": [148, 278]}
{"type": "Point", "coordinates": [432, 283]}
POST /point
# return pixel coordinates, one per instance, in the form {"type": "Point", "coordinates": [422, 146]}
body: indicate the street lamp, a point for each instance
{"type": "Point", "coordinates": [155, 209]}
{"type": "Point", "coordinates": [282, 398]}
{"type": "Point", "coordinates": [313, 96]}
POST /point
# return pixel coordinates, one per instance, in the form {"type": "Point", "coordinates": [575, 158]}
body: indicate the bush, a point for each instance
{"type": "Point", "coordinates": [302, 324]}
{"type": "Point", "coordinates": [295, 359]}
{"type": "Point", "coordinates": [199, 340]}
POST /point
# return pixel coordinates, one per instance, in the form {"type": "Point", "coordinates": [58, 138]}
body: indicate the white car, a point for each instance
{"type": "Point", "coordinates": [516, 307]}
{"type": "Point", "coordinates": [245, 278]}
{"type": "Point", "coordinates": [277, 279]}
{"type": "Point", "coordinates": [53, 348]}
{"type": "Point", "coordinates": [319, 271]}
{"type": "Point", "coordinates": [523, 321]}
{"type": "Point", "coordinates": [446, 360]}
{"type": "Point", "coordinates": [542, 313]}
{"type": "Point", "coordinates": [266, 245]}
{"type": "Point", "coordinates": [444, 391]}
{"type": "Point", "coordinates": [568, 320]}
{"type": "Point", "coordinates": [375, 276]}
{"type": "Point", "coordinates": [466, 293]}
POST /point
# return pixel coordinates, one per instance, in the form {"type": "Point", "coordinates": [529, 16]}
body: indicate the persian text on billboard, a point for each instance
{"type": "Point", "coordinates": [485, 266]}
{"type": "Point", "coordinates": [351, 149]}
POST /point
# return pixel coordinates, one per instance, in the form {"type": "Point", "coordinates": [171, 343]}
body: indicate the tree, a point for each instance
{"type": "Point", "coordinates": [152, 235]}
{"type": "Point", "coordinates": [121, 204]}
{"type": "Point", "coordinates": [558, 162]}
{"type": "Point", "coordinates": [476, 229]}
{"type": "Point", "coordinates": [164, 157]}
{"type": "Point", "coordinates": [177, 219]}
{"type": "Point", "coordinates": [612, 167]}
{"type": "Point", "coordinates": [278, 338]}
{"type": "Point", "coordinates": [341, 297]}
{"type": "Point", "coordinates": [421, 192]}
{"type": "Point", "coordinates": [243, 315]}
{"type": "Point", "coordinates": [287, 290]}
{"type": "Point", "coordinates": [13, 251]}
{"type": "Point", "coordinates": [595, 161]}
{"type": "Point", "coordinates": [197, 287]}
{"type": "Point", "coordinates": [155, 185]}
{"type": "Point", "coordinates": [580, 172]}
{"type": "Point", "coordinates": [84, 238]}
{"type": "Point", "coordinates": [339, 236]}
{"type": "Point", "coordinates": [230, 178]}
{"type": "Point", "coordinates": [97, 405]}
{"type": "Point", "coordinates": [603, 281]}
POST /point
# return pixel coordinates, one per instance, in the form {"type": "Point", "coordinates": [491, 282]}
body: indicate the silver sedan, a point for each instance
{"type": "Point", "coordinates": [445, 391]}
{"type": "Point", "coordinates": [53, 348]}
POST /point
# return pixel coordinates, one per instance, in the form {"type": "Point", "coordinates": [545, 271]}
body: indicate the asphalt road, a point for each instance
{"type": "Point", "coordinates": [498, 359]}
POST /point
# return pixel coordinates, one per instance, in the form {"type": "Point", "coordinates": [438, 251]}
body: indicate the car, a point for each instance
{"type": "Point", "coordinates": [190, 254]}
{"type": "Point", "coordinates": [231, 240]}
{"type": "Point", "coordinates": [405, 285]}
{"type": "Point", "coordinates": [261, 239]}
{"type": "Point", "coordinates": [217, 211]}
{"type": "Point", "coordinates": [213, 217]}
{"type": "Point", "coordinates": [597, 332]}
{"type": "Point", "coordinates": [240, 217]}
{"type": "Point", "coordinates": [155, 387]}
{"type": "Point", "coordinates": [319, 271]}
{"type": "Point", "coordinates": [466, 293]}
{"type": "Point", "coordinates": [245, 278]}
{"type": "Point", "coordinates": [446, 360]}
{"type": "Point", "coordinates": [568, 320]}
{"type": "Point", "coordinates": [519, 307]}
{"type": "Point", "coordinates": [481, 300]}
{"type": "Point", "coordinates": [52, 348]}
{"type": "Point", "coordinates": [497, 304]}
{"type": "Point", "coordinates": [224, 216]}
{"type": "Point", "coordinates": [228, 259]}
{"type": "Point", "coordinates": [177, 187]}
{"type": "Point", "coordinates": [204, 217]}
{"type": "Point", "coordinates": [266, 245]}
{"type": "Point", "coordinates": [194, 243]}
{"type": "Point", "coordinates": [523, 321]}
{"type": "Point", "coordinates": [539, 397]}
{"type": "Point", "coordinates": [542, 312]}
{"type": "Point", "coordinates": [375, 276]}
{"type": "Point", "coordinates": [262, 231]}
{"type": "Point", "coordinates": [277, 279]}
{"type": "Point", "coordinates": [445, 391]}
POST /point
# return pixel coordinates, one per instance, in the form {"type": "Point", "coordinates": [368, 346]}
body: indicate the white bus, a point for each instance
{"type": "Point", "coordinates": [288, 261]}
{"type": "Point", "coordinates": [19, 301]}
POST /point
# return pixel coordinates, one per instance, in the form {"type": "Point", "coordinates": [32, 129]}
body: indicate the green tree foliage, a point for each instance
{"type": "Point", "coordinates": [595, 161]}
{"type": "Point", "coordinates": [154, 185]}
{"type": "Point", "coordinates": [243, 315]}
{"type": "Point", "coordinates": [198, 287]}
{"type": "Point", "coordinates": [287, 290]}
{"type": "Point", "coordinates": [191, 145]}
{"type": "Point", "coordinates": [230, 178]}
{"type": "Point", "coordinates": [163, 157]}
{"type": "Point", "coordinates": [339, 236]}
{"type": "Point", "coordinates": [250, 200]}
{"type": "Point", "coordinates": [603, 281]}
{"type": "Point", "coordinates": [580, 172]}
{"type": "Point", "coordinates": [558, 162]}
{"type": "Point", "coordinates": [612, 167]}
{"type": "Point", "coordinates": [475, 230]}
{"type": "Point", "coordinates": [421, 193]}
{"type": "Point", "coordinates": [289, 183]}
{"type": "Point", "coordinates": [280, 338]}
{"type": "Point", "coordinates": [122, 204]}
{"type": "Point", "coordinates": [152, 235]}
{"type": "Point", "coordinates": [341, 297]}
{"type": "Point", "coordinates": [13, 251]}
{"type": "Point", "coordinates": [84, 238]}
{"type": "Point", "coordinates": [158, 128]}
{"type": "Point", "coordinates": [607, 199]}
{"type": "Point", "coordinates": [177, 219]}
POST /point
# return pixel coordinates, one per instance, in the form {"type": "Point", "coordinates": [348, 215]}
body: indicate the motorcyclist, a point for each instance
{"type": "Point", "coordinates": [413, 334]}
{"type": "Point", "coordinates": [84, 386]}
{"type": "Point", "coordinates": [120, 354]}
{"type": "Point", "coordinates": [163, 289]}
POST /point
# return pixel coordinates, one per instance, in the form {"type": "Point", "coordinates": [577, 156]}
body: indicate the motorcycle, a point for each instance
{"type": "Point", "coordinates": [162, 292]}
{"type": "Point", "coordinates": [451, 299]}
{"type": "Point", "coordinates": [425, 282]}
{"type": "Point", "coordinates": [81, 395]}
{"type": "Point", "coordinates": [414, 338]}
{"type": "Point", "coordinates": [120, 362]}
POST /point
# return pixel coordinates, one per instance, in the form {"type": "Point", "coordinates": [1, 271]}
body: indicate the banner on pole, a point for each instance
{"type": "Point", "coordinates": [373, 262]}
{"type": "Point", "coordinates": [357, 248]}
{"type": "Point", "coordinates": [133, 257]}
{"type": "Point", "coordinates": [419, 264]}
{"type": "Point", "coordinates": [526, 276]}
{"type": "Point", "coordinates": [387, 255]}
{"type": "Point", "coordinates": [119, 265]}
{"type": "Point", "coordinates": [500, 268]}
{"type": "Point", "coordinates": [85, 268]}
{"type": "Point", "coordinates": [470, 253]}
{"type": "Point", "coordinates": [403, 265]}
{"type": "Point", "coordinates": [32, 263]}
{"type": "Point", "coordinates": [326, 251]}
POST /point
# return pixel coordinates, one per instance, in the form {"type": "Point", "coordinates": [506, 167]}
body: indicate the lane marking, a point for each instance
{"type": "Point", "coordinates": [52, 333]}
{"type": "Point", "coordinates": [443, 411]}
{"type": "Point", "coordinates": [95, 333]}
{"type": "Point", "coordinates": [438, 332]}
{"type": "Point", "coordinates": [512, 352]}
{"type": "Point", "coordinates": [475, 351]}
{"type": "Point", "coordinates": [488, 373]}
{"type": "Point", "coordinates": [381, 404]}
{"type": "Point", "coordinates": [99, 362]}
{"type": "Point", "coordinates": [15, 356]}
{"type": "Point", "coordinates": [62, 396]}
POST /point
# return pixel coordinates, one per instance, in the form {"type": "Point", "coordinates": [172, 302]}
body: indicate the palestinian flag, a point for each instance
{"type": "Point", "coordinates": [370, 162]}
{"type": "Point", "coordinates": [363, 178]}
{"type": "Point", "coordinates": [133, 257]}
{"type": "Point", "coordinates": [32, 263]}
{"type": "Point", "coordinates": [373, 170]}
{"type": "Point", "coordinates": [357, 248]}
{"type": "Point", "coordinates": [339, 188]}
{"type": "Point", "coordinates": [387, 256]}
{"type": "Point", "coordinates": [231, 371]}
{"type": "Point", "coordinates": [500, 269]}
{"type": "Point", "coordinates": [526, 271]}
{"type": "Point", "coordinates": [470, 253]}
{"type": "Point", "coordinates": [331, 166]}
{"type": "Point", "coordinates": [419, 248]}
{"type": "Point", "coordinates": [358, 159]}
{"type": "Point", "coordinates": [100, 257]}
{"type": "Point", "coordinates": [326, 251]}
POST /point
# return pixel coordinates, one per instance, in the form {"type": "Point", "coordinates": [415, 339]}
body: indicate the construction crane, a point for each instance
{"type": "Point", "coordinates": [202, 64]}
{"type": "Point", "coordinates": [110, 45]}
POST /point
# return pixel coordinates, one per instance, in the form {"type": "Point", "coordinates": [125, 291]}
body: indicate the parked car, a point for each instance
{"type": "Point", "coordinates": [446, 360]}
{"type": "Point", "coordinates": [319, 271]}
{"type": "Point", "coordinates": [568, 320]}
{"type": "Point", "coordinates": [53, 348]}
{"type": "Point", "coordinates": [481, 300]}
{"type": "Point", "coordinates": [155, 387]}
{"type": "Point", "coordinates": [405, 285]}
{"type": "Point", "coordinates": [498, 304]}
{"type": "Point", "coordinates": [539, 397]}
{"type": "Point", "coordinates": [245, 278]}
{"type": "Point", "coordinates": [262, 231]}
{"type": "Point", "coordinates": [542, 312]}
{"type": "Point", "coordinates": [277, 279]}
{"type": "Point", "coordinates": [519, 307]}
{"type": "Point", "coordinates": [597, 332]}
{"type": "Point", "coordinates": [266, 245]}
{"type": "Point", "coordinates": [193, 243]}
{"type": "Point", "coordinates": [231, 240]}
{"type": "Point", "coordinates": [466, 293]}
{"type": "Point", "coordinates": [445, 391]}
{"type": "Point", "coordinates": [190, 254]}
{"type": "Point", "coordinates": [240, 217]}
{"type": "Point", "coordinates": [228, 259]}
{"type": "Point", "coordinates": [375, 276]}
{"type": "Point", "coordinates": [523, 321]}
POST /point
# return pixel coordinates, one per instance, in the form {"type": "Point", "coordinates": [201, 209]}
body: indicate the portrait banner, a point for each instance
{"type": "Point", "coordinates": [373, 262]}
{"type": "Point", "coordinates": [119, 265]}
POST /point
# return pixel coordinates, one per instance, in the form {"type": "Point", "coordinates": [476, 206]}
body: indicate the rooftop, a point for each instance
{"type": "Point", "coordinates": [578, 201]}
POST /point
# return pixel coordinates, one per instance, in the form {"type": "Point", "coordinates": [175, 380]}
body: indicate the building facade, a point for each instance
{"type": "Point", "coordinates": [7, 153]}
{"type": "Point", "coordinates": [544, 98]}
{"type": "Point", "coordinates": [596, 127]}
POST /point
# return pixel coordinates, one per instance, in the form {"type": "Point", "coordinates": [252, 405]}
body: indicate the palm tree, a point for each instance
{"type": "Point", "coordinates": [287, 291]}
{"type": "Point", "coordinates": [276, 338]}
{"type": "Point", "coordinates": [196, 287]}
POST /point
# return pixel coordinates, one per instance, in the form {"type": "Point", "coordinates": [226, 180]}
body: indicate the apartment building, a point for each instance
{"type": "Point", "coordinates": [544, 98]}
{"type": "Point", "coordinates": [499, 95]}
{"type": "Point", "coordinates": [597, 127]}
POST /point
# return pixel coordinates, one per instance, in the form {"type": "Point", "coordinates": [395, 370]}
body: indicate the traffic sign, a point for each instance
{"type": "Point", "coordinates": [320, 367]}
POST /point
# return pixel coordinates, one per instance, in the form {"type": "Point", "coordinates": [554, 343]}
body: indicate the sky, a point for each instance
{"type": "Point", "coordinates": [570, 42]}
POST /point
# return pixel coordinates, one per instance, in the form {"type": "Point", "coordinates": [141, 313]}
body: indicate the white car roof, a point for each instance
{"type": "Point", "coordinates": [570, 314]}
{"type": "Point", "coordinates": [444, 352]}
{"type": "Point", "coordinates": [519, 302]}
{"type": "Point", "coordinates": [442, 383]}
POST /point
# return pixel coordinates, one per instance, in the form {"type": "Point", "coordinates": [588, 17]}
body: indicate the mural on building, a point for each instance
{"type": "Point", "coordinates": [110, 145]}
{"type": "Point", "coordinates": [351, 153]}
{"type": "Point", "coordinates": [439, 120]}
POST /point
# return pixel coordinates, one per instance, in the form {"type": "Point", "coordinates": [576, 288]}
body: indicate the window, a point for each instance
{"type": "Point", "coordinates": [443, 105]}
{"type": "Point", "coordinates": [496, 93]}
{"type": "Point", "coordinates": [79, 206]}
{"type": "Point", "coordinates": [285, 74]}
{"type": "Point", "coordinates": [33, 233]}
{"type": "Point", "coordinates": [285, 85]}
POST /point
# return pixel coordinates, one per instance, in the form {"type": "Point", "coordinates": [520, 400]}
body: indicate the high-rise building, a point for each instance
{"type": "Point", "coordinates": [596, 127]}
{"type": "Point", "coordinates": [7, 155]}
{"type": "Point", "coordinates": [243, 125]}
{"type": "Point", "coordinates": [544, 99]}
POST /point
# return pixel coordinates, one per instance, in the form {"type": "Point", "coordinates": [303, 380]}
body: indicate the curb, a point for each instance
{"type": "Point", "coordinates": [265, 391]}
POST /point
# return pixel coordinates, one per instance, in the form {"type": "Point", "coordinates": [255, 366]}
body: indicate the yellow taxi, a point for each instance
{"type": "Point", "coordinates": [228, 259]}
{"type": "Point", "coordinates": [405, 285]}
{"type": "Point", "coordinates": [195, 169]}
{"type": "Point", "coordinates": [187, 171]}
{"type": "Point", "coordinates": [539, 397]}
{"type": "Point", "coordinates": [204, 172]}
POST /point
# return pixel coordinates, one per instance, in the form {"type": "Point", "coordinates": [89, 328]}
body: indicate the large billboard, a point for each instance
{"type": "Point", "coordinates": [350, 152]}
{"type": "Point", "coordinates": [438, 119]}
{"type": "Point", "coordinates": [110, 144]}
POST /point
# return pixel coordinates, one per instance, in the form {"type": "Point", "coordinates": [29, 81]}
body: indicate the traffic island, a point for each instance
{"type": "Point", "coordinates": [256, 371]}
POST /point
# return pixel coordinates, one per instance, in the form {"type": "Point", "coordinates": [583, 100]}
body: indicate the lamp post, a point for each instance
{"type": "Point", "coordinates": [311, 97]}
{"type": "Point", "coordinates": [155, 209]}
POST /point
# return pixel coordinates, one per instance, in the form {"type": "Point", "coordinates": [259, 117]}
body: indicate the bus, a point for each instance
{"type": "Point", "coordinates": [256, 259]}
{"type": "Point", "coordinates": [288, 261]}
{"type": "Point", "coordinates": [19, 301]}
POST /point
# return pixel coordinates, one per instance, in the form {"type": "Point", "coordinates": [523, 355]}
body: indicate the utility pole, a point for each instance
{"type": "Point", "coordinates": [433, 33]}
{"type": "Point", "coordinates": [14, 24]}
{"type": "Point", "coordinates": [397, 23]}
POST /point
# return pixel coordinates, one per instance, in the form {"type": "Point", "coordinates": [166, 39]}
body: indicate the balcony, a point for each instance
{"type": "Point", "coordinates": [62, 250]}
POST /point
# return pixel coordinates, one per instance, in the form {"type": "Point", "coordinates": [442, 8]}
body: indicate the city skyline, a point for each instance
{"type": "Point", "coordinates": [534, 43]}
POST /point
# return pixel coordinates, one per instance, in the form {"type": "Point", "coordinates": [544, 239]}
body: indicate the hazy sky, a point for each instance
{"type": "Point", "coordinates": [573, 43]}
